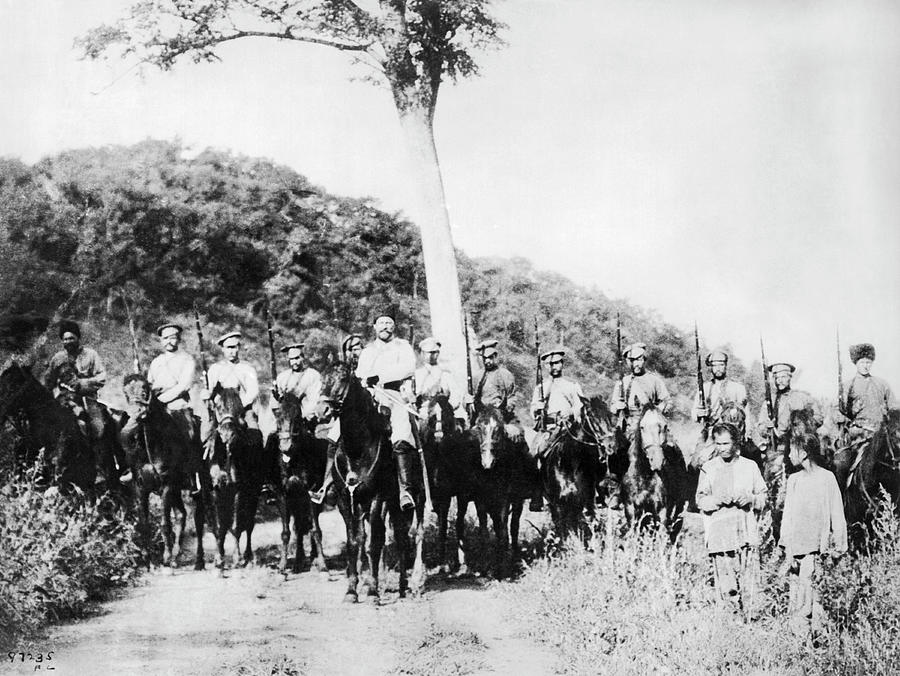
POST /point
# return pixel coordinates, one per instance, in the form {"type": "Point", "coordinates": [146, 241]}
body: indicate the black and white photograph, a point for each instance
{"type": "Point", "coordinates": [449, 337]}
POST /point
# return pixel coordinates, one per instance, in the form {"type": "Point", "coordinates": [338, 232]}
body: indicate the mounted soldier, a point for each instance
{"type": "Point", "coordinates": [554, 407]}
{"type": "Point", "coordinates": [300, 379]}
{"type": "Point", "coordinates": [787, 401]}
{"type": "Point", "coordinates": [80, 395]}
{"type": "Point", "coordinates": [386, 367]}
{"type": "Point", "coordinates": [718, 392]}
{"type": "Point", "coordinates": [432, 379]}
{"type": "Point", "coordinates": [171, 376]}
{"type": "Point", "coordinates": [233, 373]}
{"type": "Point", "coordinates": [497, 388]}
{"type": "Point", "coordinates": [638, 389]}
{"type": "Point", "coordinates": [351, 349]}
{"type": "Point", "coordinates": [868, 398]}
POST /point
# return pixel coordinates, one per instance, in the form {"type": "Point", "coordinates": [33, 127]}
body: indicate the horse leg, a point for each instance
{"type": "Point", "coordinates": [442, 506]}
{"type": "Point", "coordinates": [501, 532]}
{"type": "Point", "coordinates": [515, 514]}
{"type": "Point", "coordinates": [316, 550]}
{"type": "Point", "coordinates": [250, 520]}
{"type": "Point", "coordinates": [180, 523]}
{"type": "Point", "coordinates": [462, 505]}
{"type": "Point", "coordinates": [375, 546]}
{"type": "Point", "coordinates": [418, 574]}
{"type": "Point", "coordinates": [144, 522]}
{"type": "Point", "coordinates": [236, 523]}
{"type": "Point", "coordinates": [224, 507]}
{"type": "Point", "coordinates": [167, 531]}
{"type": "Point", "coordinates": [200, 507]}
{"type": "Point", "coordinates": [351, 548]}
{"type": "Point", "coordinates": [285, 515]}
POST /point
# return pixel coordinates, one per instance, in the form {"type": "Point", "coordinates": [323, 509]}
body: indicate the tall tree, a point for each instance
{"type": "Point", "coordinates": [412, 44]}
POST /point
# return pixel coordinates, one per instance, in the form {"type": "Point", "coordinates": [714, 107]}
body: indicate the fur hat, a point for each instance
{"type": "Point", "coordinates": [862, 351]}
{"type": "Point", "coordinates": [68, 326]}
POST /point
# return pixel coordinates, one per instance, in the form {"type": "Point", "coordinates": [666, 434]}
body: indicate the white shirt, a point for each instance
{"type": "Point", "coordinates": [171, 376]}
{"type": "Point", "coordinates": [240, 376]}
{"type": "Point", "coordinates": [306, 385]}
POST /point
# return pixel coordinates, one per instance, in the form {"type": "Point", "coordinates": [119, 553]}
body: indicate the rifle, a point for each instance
{"type": "Point", "coordinates": [210, 409]}
{"type": "Point", "coordinates": [621, 364]}
{"type": "Point", "coordinates": [539, 376]}
{"type": "Point", "coordinates": [840, 372]}
{"type": "Point", "coordinates": [134, 345]}
{"type": "Point", "coordinates": [273, 363]}
{"type": "Point", "coordinates": [770, 409]}
{"type": "Point", "coordinates": [700, 392]}
{"type": "Point", "coordinates": [469, 405]}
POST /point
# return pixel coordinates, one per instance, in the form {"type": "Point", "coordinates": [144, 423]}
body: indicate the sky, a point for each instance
{"type": "Point", "coordinates": [734, 163]}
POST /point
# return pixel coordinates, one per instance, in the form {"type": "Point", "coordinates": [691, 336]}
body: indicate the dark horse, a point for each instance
{"type": "Point", "coordinates": [301, 466]}
{"type": "Point", "coordinates": [366, 481]}
{"type": "Point", "coordinates": [862, 470]}
{"type": "Point", "coordinates": [572, 467]}
{"type": "Point", "coordinates": [505, 480]}
{"type": "Point", "coordinates": [656, 482]}
{"type": "Point", "coordinates": [453, 462]}
{"type": "Point", "coordinates": [160, 454]}
{"type": "Point", "coordinates": [237, 467]}
{"type": "Point", "coordinates": [50, 432]}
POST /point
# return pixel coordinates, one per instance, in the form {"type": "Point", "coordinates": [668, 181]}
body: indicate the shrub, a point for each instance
{"type": "Point", "coordinates": [59, 554]}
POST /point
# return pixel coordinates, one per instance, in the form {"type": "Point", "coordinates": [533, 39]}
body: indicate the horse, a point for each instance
{"type": "Point", "coordinates": [572, 467]}
{"type": "Point", "coordinates": [504, 479]}
{"type": "Point", "coordinates": [863, 469]}
{"type": "Point", "coordinates": [300, 468]}
{"type": "Point", "coordinates": [452, 457]}
{"type": "Point", "coordinates": [160, 455]}
{"type": "Point", "coordinates": [656, 482]}
{"type": "Point", "coordinates": [366, 481]}
{"type": "Point", "coordinates": [50, 432]}
{"type": "Point", "coordinates": [237, 467]}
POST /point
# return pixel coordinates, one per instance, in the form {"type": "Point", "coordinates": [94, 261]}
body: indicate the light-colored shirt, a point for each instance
{"type": "Point", "coordinates": [867, 399]}
{"type": "Point", "coordinates": [786, 403]}
{"type": "Point", "coordinates": [306, 385]}
{"type": "Point", "coordinates": [87, 365]}
{"type": "Point", "coordinates": [813, 519]}
{"type": "Point", "coordinates": [171, 375]}
{"type": "Point", "coordinates": [647, 388]}
{"type": "Point", "coordinates": [563, 397]}
{"type": "Point", "coordinates": [718, 394]}
{"type": "Point", "coordinates": [240, 376]}
{"type": "Point", "coordinates": [497, 388]}
{"type": "Point", "coordinates": [729, 528]}
{"type": "Point", "coordinates": [391, 361]}
{"type": "Point", "coordinates": [434, 379]}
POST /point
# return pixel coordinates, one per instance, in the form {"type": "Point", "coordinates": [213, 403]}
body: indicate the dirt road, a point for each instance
{"type": "Point", "coordinates": [256, 621]}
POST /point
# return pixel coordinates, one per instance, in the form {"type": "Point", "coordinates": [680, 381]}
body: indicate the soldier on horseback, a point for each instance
{"type": "Point", "coordinates": [787, 401]}
{"type": "Point", "coordinates": [497, 388]}
{"type": "Point", "coordinates": [719, 392]}
{"type": "Point", "coordinates": [387, 366]}
{"type": "Point", "coordinates": [638, 389]}
{"type": "Point", "coordinates": [300, 379]}
{"type": "Point", "coordinates": [554, 408]}
{"type": "Point", "coordinates": [433, 379]}
{"type": "Point", "coordinates": [171, 376]}
{"type": "Point", "coordinates": [81, 394]}
{"type": "Point", "coordinates": [351, 349]}
{"type": "Point", "coordinates": [867, 399]}
{"type": "Point", "coordinates": [231, 372]}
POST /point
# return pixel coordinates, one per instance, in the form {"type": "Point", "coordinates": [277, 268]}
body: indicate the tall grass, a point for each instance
{"type": "Point", "coordinates": [636, 605]}
{"type": "Point", "coordinates": [59, 554]}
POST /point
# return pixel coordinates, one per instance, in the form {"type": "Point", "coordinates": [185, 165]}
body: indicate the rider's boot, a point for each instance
{"type": "Point", "coordinates": [404, 453]}
{"type": "Point", "coordinates": [319, 496]}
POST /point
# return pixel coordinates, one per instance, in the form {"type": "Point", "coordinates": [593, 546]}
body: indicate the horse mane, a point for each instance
{"type": "Point", "coordinates": [803, 431]}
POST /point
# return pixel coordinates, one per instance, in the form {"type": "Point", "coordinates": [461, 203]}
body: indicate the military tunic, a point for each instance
{"type": "Point", "coordinates": [240, 376]}
{"type": "Point", "coordinates": [497, 388]}
{"type": "Point", "coordinates": [786, 403]}
{"type": "Point", "coordinates": [434, 379]}
{"type": "Point", "coordinates": [563, 398]}
{"type": "Point", "coordinates": [393, 362]}
{"type": "Point", "coordinates": [647, 388]}
{"type": "Point", "coordinates": [87, 365]}
{"type": "Point", "coordinates": [171, 376]}
{"type": "Point", "coordinates": [720, 393]}
{"type": "Point", "coordinates": [867, 400]}
{"type": "Point", "coordinates": [306, 385]}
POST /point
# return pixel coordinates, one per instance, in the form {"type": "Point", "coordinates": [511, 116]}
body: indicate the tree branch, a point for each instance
{"type": "Point", "coordinates": [287, 34]}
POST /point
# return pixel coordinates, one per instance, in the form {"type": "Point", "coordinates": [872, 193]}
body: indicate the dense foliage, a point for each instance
{"type": "Point", "coordinates": [167, 229]}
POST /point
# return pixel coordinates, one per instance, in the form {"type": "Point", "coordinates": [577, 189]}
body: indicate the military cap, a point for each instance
{"type": "Point", "coordinates": [68, 326]}
{"type": "Point", "coordinates": [389, 311]}
{"type": "Point", "coordinates": [230, 334]}
{"type": "Point", "coordinates": [635, 350]}
{"type": "Point", "coordinates": [862, 351]}
{"type": "Point", "coordinates": [781, 367]}
{"type": "Point", "coordinates": [487, 347]}
{"type": "Point", "coordinates": [429, 345]}
{"type": "Point", "coordinates": [350, 340]}
{"type": "Point", "coordinates": [716, 355]}
{"type": "Point", "coordinates": [288, 348]}
{"type": "Point", "coordinates": [549, 353]}
{"type": "Point", "coordinates": [170, 325]}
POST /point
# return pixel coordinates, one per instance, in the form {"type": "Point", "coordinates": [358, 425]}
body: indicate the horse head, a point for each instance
{"type": "Point", "coordinates": [490, 431]}
{"type": "Point", "coordinates": [229, 414]}
{"type": "Point", "coordinates": [15, 380]}
{"type": "Point", "coordinates": [733, 414]}
{"type": "Point", "coordinates": [653, 436]}
{"type": "Point", "coordinates": [338, 380]}
{"type": "Point", "coordinates": [289, 421]}
{"type": "Point", "coordinates": [438, 416]}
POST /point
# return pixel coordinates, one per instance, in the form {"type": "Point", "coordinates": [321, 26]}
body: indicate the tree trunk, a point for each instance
{"type": "Point", "coordinates": [429, 212]}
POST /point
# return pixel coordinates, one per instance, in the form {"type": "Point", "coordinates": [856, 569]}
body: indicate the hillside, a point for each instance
{"type": "Point", "coordinates": [165, 230]}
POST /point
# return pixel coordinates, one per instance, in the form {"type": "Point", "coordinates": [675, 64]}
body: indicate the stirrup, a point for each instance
{"type": "Point", "coordinates": [317, 496]}
{"type": "Point", "coordinates": [406, 500]}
